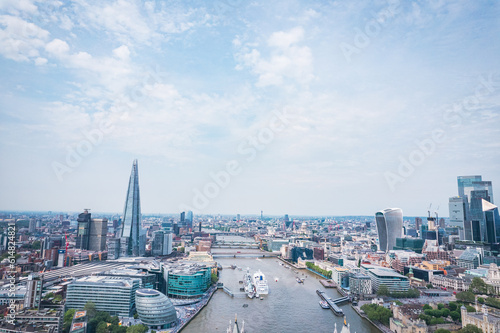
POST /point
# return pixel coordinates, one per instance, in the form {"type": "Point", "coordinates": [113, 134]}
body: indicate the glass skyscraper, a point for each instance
{"type": "Point", "coordinates": [471, 190]}
{"type": "Point", "coordinates": [389, 227]}
{"type": "Point", "coordinates": [132, 237]}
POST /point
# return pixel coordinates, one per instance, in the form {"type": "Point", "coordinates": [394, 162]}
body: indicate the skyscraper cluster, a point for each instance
{"type": "Point", "coordinates": [473, 210]}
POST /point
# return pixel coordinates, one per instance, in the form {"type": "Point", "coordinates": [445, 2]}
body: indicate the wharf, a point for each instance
{"type": "Point", "coordinates": [328, 283]}
{"type": "Point", "coordinates": [334, 307]}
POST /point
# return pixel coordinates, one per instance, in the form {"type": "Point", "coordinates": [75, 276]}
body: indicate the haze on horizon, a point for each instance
{"type": "Point", "coordinates": [290, 107]}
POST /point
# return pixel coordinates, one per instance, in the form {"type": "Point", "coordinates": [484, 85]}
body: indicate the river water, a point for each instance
{"type": "Point", "coordinates": [289, 307]}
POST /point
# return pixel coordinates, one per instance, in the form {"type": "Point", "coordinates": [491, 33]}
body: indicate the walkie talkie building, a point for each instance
{"type": "Point", "coordinates": [389, 227]}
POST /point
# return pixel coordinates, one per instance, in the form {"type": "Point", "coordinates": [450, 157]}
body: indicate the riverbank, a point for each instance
{"type": "Point", "coordinates": [379, 326]}
{"type": "Point", "coordinates": [198, 308]}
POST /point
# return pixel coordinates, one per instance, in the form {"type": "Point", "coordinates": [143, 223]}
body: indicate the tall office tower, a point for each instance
{"type": "Point", "coordinates": [389, 227]}
{"type": "Point", "coordinates": [33, 294]}
{"type": "Point", "coordinates": [477, 215]}
{"type": "Point", "coordinates": [162, 243]}
{"type": "Point", "coordinates": [82, 236]}
{"type": "Point", "coordinates": [182, 221]}
{"type": "Point", "coordinates": [98, 231]}
{"type": "Point", "coordinates": [132, 238]}
{"type": "Point", "coordinates": [418, 223]}
{"type": "Point", "coordinates": [492, 221]}
{"type": "Point", "coordinates": [458, 219]}
{"type": "Point", "coordinates": [189, 220]}
{"type": "Point", "coordinates": [32, 226]}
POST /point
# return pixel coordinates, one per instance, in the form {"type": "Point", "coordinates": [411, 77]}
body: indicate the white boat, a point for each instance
{"type": "Point", "coordinates": [260, 283]}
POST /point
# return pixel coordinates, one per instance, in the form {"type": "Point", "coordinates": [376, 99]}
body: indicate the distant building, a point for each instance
{"type": "Point", "coordinates": [33, 295]}
{"type": "Point", "coordinates": [162, 243]}
{"type": "Point", "coordinates": [132, 236]}
{"type": "Point", "coordinates": [394, 281]}
{"type": "Point", "coordinates": [409, 243]}
{"type": "Point", "coordinates": [187, 279]}
{"type": "Point", "coordinates": [492, 222]}
{"type": "Point", "coordinates": [471, 258]}
{"type": "Point", "coordinates": [91, 233]}
{"type": "Point", "coordinates": [389, 227]}
{"type": "Point", "coordinates": [115, 295]}
{"type": "Point", "coordinates": [360, 284]}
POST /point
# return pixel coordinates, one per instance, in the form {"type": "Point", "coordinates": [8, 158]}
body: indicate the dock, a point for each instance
{"type": "Point", "coordinates": [333, 303]}
{"type": "Point", "coordinates": [328, 283]}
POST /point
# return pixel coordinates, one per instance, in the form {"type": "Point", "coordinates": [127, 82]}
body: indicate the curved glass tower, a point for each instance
{"type": "Point", "coordinates": [155, 309]}
{"type": "Point", "coordinates": [389, 227]}
{"type": "Point", "coordinates": [131, 231]}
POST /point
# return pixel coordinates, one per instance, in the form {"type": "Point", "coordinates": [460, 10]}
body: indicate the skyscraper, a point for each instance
{"type": "Point", "coordinates": [458, 219]}
{"type": "Point", "coordinates": [472, 189]}
{"type": "Point", "coordinates": [389, 227]}
{"type": "Point", "coordinates": [492, 222]}
{"type": "Point", "coordinates": [91, 233]}
{"type": "Point", "coordinates": [132, 237]}
{"type": "Point", "coordinates": [189, 220]}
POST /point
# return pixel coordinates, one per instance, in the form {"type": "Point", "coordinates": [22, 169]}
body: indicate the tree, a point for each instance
{"type": "Point", "coordinates": [36, 245]}
{"type": "Point", "coordinates": [492, 301]}
{"type": "Point", "coordinates": [480, 300]}
{"type": "Point", "coordinates": [469, 328]}
{"type": "Point", "coordinates": [429, 286]}
{"type": "Point", "coordinates": [102, 327]}
{"type": "Point", "coordinates": [383, 290]}
{"type": "Point", "coordinates": [452, 306]}
{"type": "Point", "coordinates": [470, 308]}
{"type": "Point", "coordinates": [466, 296]}
{"type": "Point", "coordinates": [427, 307]}
{"type": "Point", "coordinates": [455, 315]}
{"type": "Point", "coordinates": [136, 315]}
{"type": "Point", "coordinates": [91, 309]}
{"type": "Point", "coordinates": [440, 306]}
{"type": "Point", "coordinates": [446, 312]}
{"type": "Point", "coordinates": [137, 329]}
{"type": "Point", "coordinates": [478, 286]}
{"type": "Point", "coordinates": [68, 318]}
{"type": "Point", "coordinates": [214, 278]}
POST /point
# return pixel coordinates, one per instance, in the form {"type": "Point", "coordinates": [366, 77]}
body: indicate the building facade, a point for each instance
{"type": "Point", "coordinates": [115, 295]}
{"type": "Point", "coordinates": [389, 227]}
{"type": "Point", "coordinates": [155, 309]}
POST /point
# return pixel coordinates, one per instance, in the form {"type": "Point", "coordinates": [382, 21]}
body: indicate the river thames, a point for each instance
{"type": "Point", "coordinates": [289, 307]}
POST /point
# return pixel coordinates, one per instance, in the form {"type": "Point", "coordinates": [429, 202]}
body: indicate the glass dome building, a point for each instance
{"type": "Point", "coordinates": [155, 309]}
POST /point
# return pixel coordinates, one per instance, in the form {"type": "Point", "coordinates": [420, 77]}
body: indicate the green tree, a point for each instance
{"type": "Point", "coordinates": [91, 309]}
{"type": "Point", "coordinates": [137, 329]}
{"type": "Point", "coordinates": [470, 308]}
{"type": "Point", "coordinates": [383, 290]}
{"type": "Point", "coordinates": [440, 306]}
{"type": "Point", "coordinates": [136, 315]}
{"type": "Point", "coordinates": [214, 278]}
{"type": "Point", "coordinates": [492, 301]}
{"type": "Point", "coordinates": [68, 318]}
{"type": "Point", "coordinates": [452, 306]}
{"type": "Point", "coordinates": [466, 296]}
{"type": "Point", "coordinates": [102, 327]}
{"type": "Point", "coordinates": [480, 300]}
{"type": "Point", "coordinates": [36, 245]}
{"type": "Point", "coordinates": [478, 286]}
{"type": "Point", "coordinates": [446, 312]}
{"type": "Point", "coordinates": [469, 328]}
{"type": "Point", "coordinates": [429, 286]}
{"type": "Point", "coordinates": [455, 315]}
{"type": "Point", "coordinates": [427, 307]}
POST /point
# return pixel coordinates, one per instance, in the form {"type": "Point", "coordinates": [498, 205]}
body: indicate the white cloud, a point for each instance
{"type": "Point", "coordinates": [16, 6]}
{"type": "Point", "coordinates": [287, 59]}
{"type": "Point", "coordinates": [20, 40]}
{"type": "Point", "coordinates": [57, 48]}
{"type": "Point", "coordinates": [122, 52]}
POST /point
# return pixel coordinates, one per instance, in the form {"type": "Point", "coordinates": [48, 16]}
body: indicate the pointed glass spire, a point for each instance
{"type": "Point", "coordinates": [131, 227]}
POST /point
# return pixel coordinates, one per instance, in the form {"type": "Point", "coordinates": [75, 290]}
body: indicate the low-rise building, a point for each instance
{"type": "Point", "coordinates": [453, 282]}
{"type": "Point", "coordinates": [405, 319]}
{"type": "Point", "coordinates": [360, 284]}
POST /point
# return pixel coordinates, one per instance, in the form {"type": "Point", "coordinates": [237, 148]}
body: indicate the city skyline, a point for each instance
{"type": "Point", "coordinates": [304, 108]}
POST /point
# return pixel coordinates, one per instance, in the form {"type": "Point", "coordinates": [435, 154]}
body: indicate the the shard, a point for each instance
{"type": "Point", "coordinates": [132, 238]}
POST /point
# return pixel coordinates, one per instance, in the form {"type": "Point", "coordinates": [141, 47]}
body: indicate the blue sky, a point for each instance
{"type": "Point", "coordinates": [230, 106]}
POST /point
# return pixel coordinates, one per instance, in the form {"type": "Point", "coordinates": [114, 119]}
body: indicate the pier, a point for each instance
{"type": "Point", "coordinates": [333, 303]}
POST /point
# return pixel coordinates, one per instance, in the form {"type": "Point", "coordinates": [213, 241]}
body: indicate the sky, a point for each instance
{"type": "Point", "coordinates": [231, 106]}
